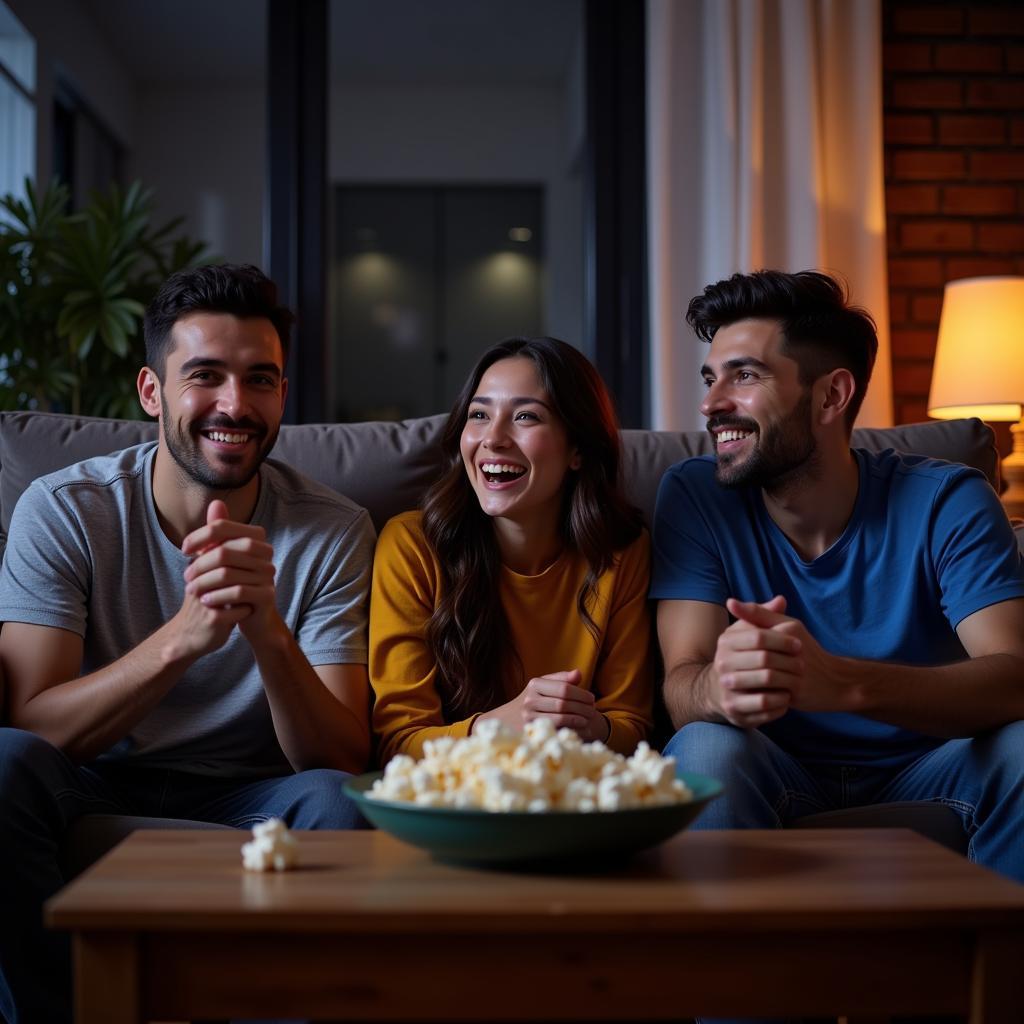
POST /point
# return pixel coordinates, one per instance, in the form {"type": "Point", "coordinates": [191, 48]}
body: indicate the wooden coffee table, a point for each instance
{"type": "Point", "coordinates": [861, 922]}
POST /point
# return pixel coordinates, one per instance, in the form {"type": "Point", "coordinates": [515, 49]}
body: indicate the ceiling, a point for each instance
{"type": "Point", "coordinates": [393, 42]}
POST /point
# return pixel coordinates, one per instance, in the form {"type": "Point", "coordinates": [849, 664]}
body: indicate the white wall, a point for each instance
{"type": "Point", "coordinates": [67, 37]}
{"type": "Point", "coordinates": [409, 135]}
{"type": "Point", "coordinates": [204, 150]}
{"type": "Point", "coordinates": [202, 146]}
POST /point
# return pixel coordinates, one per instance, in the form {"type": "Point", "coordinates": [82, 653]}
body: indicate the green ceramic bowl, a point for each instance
{"type": "Point", "coordinates": [525, 838]}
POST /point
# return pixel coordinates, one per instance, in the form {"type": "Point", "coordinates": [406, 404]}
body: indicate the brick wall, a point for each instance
{"type": "Point", "coordinates": [954, 167]}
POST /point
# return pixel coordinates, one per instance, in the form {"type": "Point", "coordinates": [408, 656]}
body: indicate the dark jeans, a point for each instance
{"type": "Point", "coordinates": [42, 792]}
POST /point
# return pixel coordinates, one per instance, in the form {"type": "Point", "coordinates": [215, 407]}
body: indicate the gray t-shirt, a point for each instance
{"type": "Point", "coordinates": [86, 553]}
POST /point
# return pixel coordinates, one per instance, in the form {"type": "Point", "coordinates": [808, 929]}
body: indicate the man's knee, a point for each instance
{"type": "Point", "coordinates": [712, 749]}
{"type": "Point", "coordinates": [1002, 751]}
{"type": "Point", "coordinates": [742, 760]}
{"type": "Point", "coordinates": [24, 757]}
{"type": "Point", "coordinates": [320, 801]}
{"type": "Point", "coordinates": [1009, 742]}
{"type": "Point", "coordinates": [18, 747]}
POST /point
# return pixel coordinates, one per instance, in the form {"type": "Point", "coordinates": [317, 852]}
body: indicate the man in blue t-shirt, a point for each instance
{"type": "Point", "coordinates": [838, 627]}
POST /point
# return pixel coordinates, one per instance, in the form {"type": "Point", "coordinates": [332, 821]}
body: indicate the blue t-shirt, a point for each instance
{"type": "Point", "coordinates": [928, 544]}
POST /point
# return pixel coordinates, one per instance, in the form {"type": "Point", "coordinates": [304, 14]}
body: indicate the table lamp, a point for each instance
{"type": "Point", "coordinates": [979, 365]}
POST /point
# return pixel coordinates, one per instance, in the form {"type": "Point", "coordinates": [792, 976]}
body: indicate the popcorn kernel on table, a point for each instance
{"type": "Point", "coordinates": [272, 848]}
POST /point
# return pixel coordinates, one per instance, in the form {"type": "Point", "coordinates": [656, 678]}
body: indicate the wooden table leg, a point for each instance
{"type": "Point", "coordinates": [997, 995]}
{"type": "Point", "coordinates": [106, 978]}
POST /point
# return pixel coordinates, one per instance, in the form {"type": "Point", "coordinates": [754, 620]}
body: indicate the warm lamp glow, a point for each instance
{"type": "Point", "coordinates": [979, 365]}
{"type": "Point", "coordinates": [979, 362]}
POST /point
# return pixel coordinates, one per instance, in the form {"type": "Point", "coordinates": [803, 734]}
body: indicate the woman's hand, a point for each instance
{"type": "Point", "coordinates": [559, 698]}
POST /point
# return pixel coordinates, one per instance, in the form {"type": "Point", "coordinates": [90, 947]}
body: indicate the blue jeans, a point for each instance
{"type": "Point", "coordinates": [42, 792]}
{"type": "Point", "coordinates": [981, 778]}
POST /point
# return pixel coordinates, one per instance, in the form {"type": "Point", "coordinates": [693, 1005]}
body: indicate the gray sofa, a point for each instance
{"type": "Point", "coordinates": [386, 467]}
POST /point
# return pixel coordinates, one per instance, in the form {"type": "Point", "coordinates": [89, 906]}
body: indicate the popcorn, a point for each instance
{"type": "Point", "coordinates": [495, 769]}
{"type": "Point", "coordinates": [272, 847]}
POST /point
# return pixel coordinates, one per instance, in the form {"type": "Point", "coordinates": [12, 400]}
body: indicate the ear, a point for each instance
{"type": "Point", "coordinates": [284, 392]}
{"type": "Point", "coordinates": [575, 459]}
{"type": "Point", "coordinates": [838, 389]}
{"type": "Point", "coordinates": [148, 385]}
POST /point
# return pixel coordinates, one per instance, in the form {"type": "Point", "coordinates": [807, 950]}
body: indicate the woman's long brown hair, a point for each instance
{"type": "Point", "coordinates": [468, 632]}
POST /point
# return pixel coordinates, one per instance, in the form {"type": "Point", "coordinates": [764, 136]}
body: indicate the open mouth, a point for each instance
{"type": "Point", "coordinates": [501, 472]}
{"type": "Point", "coordinates": [725, 436]}
{"type": "Point", "coordinates": [730, 438]}
{"type": "Point", "coordinates": [227, 438]}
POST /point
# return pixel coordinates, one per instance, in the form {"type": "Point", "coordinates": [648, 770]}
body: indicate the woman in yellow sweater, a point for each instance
{"type": "Point", "coordinates": [520, 589]}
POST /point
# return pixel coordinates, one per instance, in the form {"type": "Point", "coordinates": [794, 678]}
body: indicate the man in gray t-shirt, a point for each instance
{"type": "Point", "coordinates": [184, 622]}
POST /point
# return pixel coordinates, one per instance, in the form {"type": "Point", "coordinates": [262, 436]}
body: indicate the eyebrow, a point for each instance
{"type": "Point", "coordinates": [735, 364]}
{"type": "Point", "coordinates": [219, 364]}
{"type": "Point", "coordinates": [523, 400]}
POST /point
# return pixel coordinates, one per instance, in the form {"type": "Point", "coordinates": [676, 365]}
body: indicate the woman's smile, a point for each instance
{"type": "Point", "coordinates": [502, 474]}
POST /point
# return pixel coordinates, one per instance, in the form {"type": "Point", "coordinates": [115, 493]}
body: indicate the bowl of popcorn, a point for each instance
{"type": "Point", "coordinates": [541, 796]}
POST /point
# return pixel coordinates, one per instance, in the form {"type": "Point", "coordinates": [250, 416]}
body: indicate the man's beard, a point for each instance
{"type": "Point", "coordinates": [183, 444]}
{"type": "Point", "coordinates": [781, 453]}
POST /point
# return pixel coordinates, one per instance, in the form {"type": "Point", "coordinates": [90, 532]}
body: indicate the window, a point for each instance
{"type": "Point", "coordinates": [423, 280]}
{"type": "Point", "coordinates": [86, 156]}
{"type": "Point", "coordinates": [456, 134]}
{"type": "Point", "coordinates": [17, 104]}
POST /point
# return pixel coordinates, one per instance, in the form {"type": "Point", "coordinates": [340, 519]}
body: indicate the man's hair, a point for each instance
{"type": "Point", "coordinates": [821, 331]}
{"type": "Point", "coordinates": [239, 289]}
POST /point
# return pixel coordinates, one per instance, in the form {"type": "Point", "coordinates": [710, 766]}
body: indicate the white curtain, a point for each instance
{"type": "Point", "coordinates": [764, 152]}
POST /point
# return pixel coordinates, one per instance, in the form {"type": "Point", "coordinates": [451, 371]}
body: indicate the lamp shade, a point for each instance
{"type": "Point", "coordinates": [979, 361]}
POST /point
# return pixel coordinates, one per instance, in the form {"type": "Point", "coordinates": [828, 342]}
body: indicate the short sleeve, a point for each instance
{"type": "Point", "coordinates": [332, 628]}
{"type": "Point", "coordinates": [686, 563]}
{"type": "Point", "coordinates": [47, 569]}
{"type": "Point", "coordinates": [973, 548]}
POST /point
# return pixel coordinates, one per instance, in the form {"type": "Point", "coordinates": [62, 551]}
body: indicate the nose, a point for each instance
{"type": "Point", "coordinates": [716, 399]}
{"type": "Point", "coordinates": [231, 398]}
{"type": "Point", "coordinates": [496, 435]}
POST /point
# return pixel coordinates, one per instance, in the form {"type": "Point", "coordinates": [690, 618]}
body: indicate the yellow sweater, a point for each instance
{"type": "Point", "coordinates": [545, 627]}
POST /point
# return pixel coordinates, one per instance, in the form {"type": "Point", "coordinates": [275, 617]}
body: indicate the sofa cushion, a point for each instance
{"type": "Point", "coordinates": [931, 819]}
{"type": "Point", "coordinates": [386, 467]}
{"type": "Point", "coordinates": [92, 835]}
{"type": "Point", "coordinates": [648, 453]}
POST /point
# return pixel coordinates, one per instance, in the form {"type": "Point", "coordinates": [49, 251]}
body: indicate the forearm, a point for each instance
{"type": "Point", "coordinates": [407, 709]}
{"type": "Point", "coordinates": [313, 727]}
{"type": "Point", "coordinates": [626, 730]}
{"type": "Point", "coordinates": [625, 697]}
{"type": "Point", "coordinates": [961, 699]}
{"type": "Point", "coordinates": [86, 716]}
{"type": "Point", "coordinates": [687, 694]}
{"type": "Point", "coordinates": [410, 739]}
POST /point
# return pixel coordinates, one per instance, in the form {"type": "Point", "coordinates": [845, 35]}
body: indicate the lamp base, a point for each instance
{"type": "Point", "coordinates": [1013, 473]}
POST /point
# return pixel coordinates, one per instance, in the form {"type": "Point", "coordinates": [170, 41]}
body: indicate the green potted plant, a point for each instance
{"type": "Point", "coordinates": [73, 290]}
